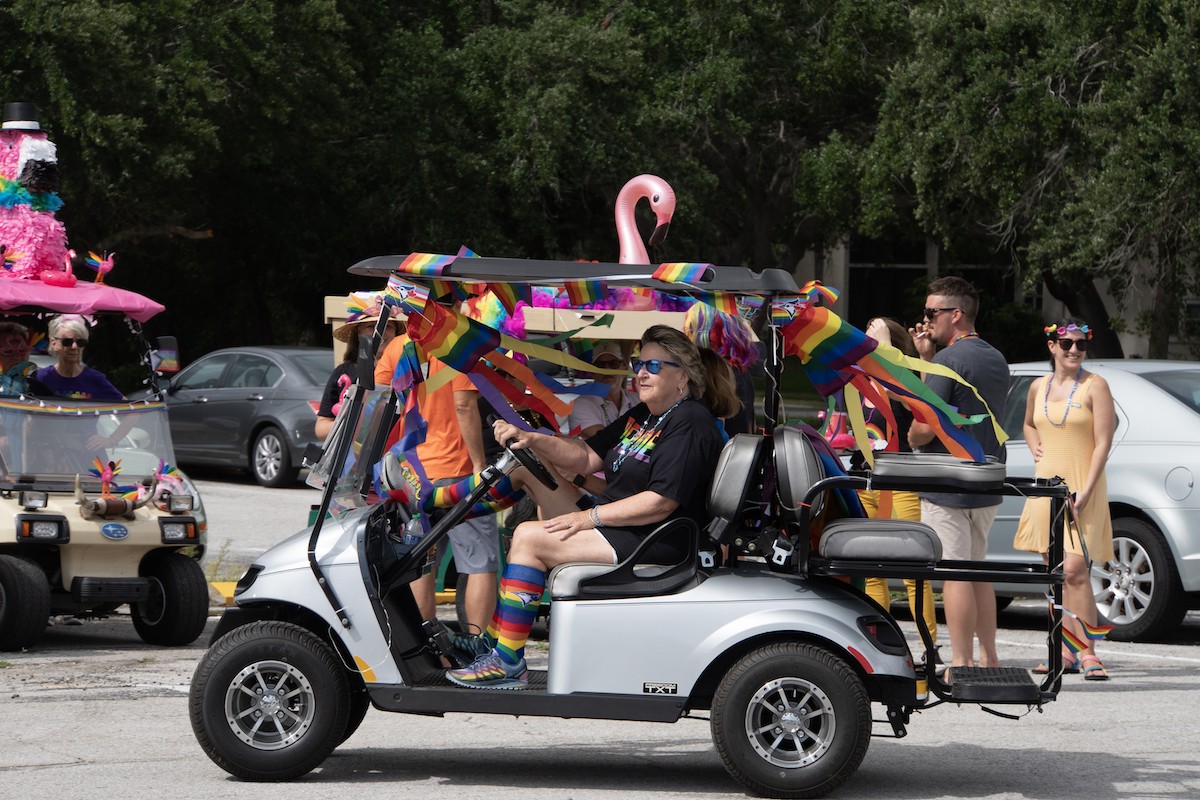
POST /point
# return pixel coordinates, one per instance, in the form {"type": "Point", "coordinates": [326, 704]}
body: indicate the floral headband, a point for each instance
{"type": "Point", "coordinates": [1055, 331]}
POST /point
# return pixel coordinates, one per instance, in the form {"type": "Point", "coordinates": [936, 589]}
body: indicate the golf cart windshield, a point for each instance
{"type": "Point", "coordinates": [364, 426]}
{"type": "Point", "coordinates": [53, 441]}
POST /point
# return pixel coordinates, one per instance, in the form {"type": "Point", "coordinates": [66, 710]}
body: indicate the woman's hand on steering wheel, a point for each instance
{"type": "Point", "coordinates": [518, 443]}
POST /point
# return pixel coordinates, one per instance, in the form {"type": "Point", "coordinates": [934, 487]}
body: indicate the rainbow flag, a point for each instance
{"type": "Point", "coordinates": [1072, 641]}
{"type": "Point", "coordinates": [816, 291]}
{"type": "Point", "coordinates": [748, 306]}
{"type": "Point", "coordinates": [681, 272]}
{"type": "Point", "coordinates": [785, 309]}
{"type": "Point", "coordinates": [1095, 632]}
{"type": "Point", "coordinates": [441, 289]}
{"type": "Point", "coordinates": [724, 302]}
{"type": "Point", "coordinates": [509, 294]}
{"type": "Point", "coordinates": [456, 340]}
{"type": "Point", "coordinates": [408, 296]}
{"type": "Point", "coordinates": [425, 264]}
{"type": "Point", "coordinates": [580, 293]}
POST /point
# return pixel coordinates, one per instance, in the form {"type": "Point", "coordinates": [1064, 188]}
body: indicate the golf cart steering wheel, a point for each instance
{"type": "Point", "coordinates": [529, 461]}
{"type": "Point", "coordinates": [532, 463]}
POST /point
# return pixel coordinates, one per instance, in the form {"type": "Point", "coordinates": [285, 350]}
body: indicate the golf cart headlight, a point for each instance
{"type": "Point", "coordinates": [42, 529]}
{"type": "Point", "coordinates": [180, 503]}
{"type": "Point", "coordinates": [32, 501]}
{"type": "Point", "coordinates": [177, 531]}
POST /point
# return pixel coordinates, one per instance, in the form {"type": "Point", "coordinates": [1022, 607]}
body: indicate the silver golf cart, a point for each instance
{"type": "Point", "coordinates": [777, 646]}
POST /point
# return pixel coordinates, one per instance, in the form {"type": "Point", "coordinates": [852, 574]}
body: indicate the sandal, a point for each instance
{"type": "Point", "coordinates": [1093, 670]}
{"type": "Point", "coordinates": [1070, 666]}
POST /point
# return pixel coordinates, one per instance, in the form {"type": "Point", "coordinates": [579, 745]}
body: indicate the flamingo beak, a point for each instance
{"type": "Point", "coordinates": [660, 234]}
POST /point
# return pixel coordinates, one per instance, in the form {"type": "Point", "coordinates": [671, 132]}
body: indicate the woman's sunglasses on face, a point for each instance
{"type": "Point", "coordinates": [1078, 344]}
{"type": "Point", "coordinates": [653, 366]}
{"type": "Point", "coordinates": [69, 342]}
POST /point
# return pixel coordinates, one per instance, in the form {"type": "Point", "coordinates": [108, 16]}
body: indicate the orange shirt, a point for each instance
{"type": "Point", "coordinates": [444, 453]}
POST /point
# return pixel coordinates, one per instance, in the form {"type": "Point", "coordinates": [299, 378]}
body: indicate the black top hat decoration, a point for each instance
{"type": "Point", "coordinates": [20, 117]}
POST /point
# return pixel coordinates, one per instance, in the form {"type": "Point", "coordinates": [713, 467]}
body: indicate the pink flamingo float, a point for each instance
{"type": "Point", "coordinates": [662, 203]}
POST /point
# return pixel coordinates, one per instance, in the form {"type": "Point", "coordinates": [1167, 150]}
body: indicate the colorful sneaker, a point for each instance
{"type": "Point", "coordinates": [466, 647]}
{"type": "Point", "coordinates": [491, 672]}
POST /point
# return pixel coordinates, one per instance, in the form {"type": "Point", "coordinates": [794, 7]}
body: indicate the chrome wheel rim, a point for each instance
{"type": "Point", "coordinates": [268, 456]}
{"type": "Point", "coordinates": [1124, 586]}
{"type": "Point", "coordinates": [790, 722]}
{"type": "Point", "coordinates": [270, 705]}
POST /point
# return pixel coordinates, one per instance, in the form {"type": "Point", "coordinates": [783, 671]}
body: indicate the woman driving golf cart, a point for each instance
{"type": "Point", "coordinates": [659, 458]}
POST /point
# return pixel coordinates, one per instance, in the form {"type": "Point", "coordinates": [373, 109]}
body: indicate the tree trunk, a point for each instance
{"type": "Point", "coordinates": [1082, 300]}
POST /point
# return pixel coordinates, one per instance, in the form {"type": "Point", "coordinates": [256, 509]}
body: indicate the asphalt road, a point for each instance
{"type": "Point", "coordinates": [93, 712]}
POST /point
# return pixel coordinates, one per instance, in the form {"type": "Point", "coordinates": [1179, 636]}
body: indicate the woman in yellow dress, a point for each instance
{"type": "Point", "coordinates": [1069, 425]}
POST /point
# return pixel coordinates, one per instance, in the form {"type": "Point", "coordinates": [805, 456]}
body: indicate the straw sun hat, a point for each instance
{"type": "Point", "coordinates": [362, 307]}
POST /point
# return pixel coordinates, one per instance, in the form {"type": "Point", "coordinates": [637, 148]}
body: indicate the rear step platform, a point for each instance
{"type": "Point", "coordinates": [995, 685]}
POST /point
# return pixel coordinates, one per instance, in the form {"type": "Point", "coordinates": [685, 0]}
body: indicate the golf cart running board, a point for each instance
{"type": "Point", "coordinates": [437, 696]}
{"type": "Point", "coordinates": [993, 685]}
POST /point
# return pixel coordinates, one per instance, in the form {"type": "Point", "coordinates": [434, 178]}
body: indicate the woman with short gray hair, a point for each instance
{"type": "Point", "coordinates": [69, 376]}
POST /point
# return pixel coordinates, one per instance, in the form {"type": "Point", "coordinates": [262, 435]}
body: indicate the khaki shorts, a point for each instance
{"type": "Point", "coordinates": [963, 531]}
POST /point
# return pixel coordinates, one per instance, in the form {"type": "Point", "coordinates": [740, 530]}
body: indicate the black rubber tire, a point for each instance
{"type": "Point", "coordinates": [270, 460]}
{"type": "Point", "coordinates": [1139, 592]}
{"type": "Point", "coordinates": [360, 704]}
{"type": "Point", "coordinates": [279, 656]}
{"type": "Point", "coordinates": [767, 709]}
{"type": "Point", "coordinates": [177, 610]}
{"type": "Point", "coordinates": [1003, 601]}
{"type": "Point", "coordinates": [24, 603]}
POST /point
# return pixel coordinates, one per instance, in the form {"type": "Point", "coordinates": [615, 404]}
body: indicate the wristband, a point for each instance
{"type": "Point", "coordinates": [595, 516]}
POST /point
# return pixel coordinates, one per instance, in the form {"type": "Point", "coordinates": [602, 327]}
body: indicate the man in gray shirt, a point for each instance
{"type": "Point", "coordinates": [962, 521]}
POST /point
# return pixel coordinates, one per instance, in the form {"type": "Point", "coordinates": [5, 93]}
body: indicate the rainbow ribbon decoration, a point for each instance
{"type": "Point", "coordinates": [581, 293]}
{"type": "Point", "coordinates": [681, 272]}
{"type": "Point", "coordinates": [427, 264]}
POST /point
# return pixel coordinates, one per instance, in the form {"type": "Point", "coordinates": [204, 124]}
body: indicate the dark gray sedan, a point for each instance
{"type": "Point", "coordinates": [249, 407]}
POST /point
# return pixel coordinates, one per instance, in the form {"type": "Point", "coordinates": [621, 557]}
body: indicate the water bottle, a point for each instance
{"type": "Point", "coordinates": [413, 531]}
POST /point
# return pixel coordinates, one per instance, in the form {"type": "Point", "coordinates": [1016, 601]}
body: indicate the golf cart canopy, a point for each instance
{"type": "Point", "coordinates": [18, 295]}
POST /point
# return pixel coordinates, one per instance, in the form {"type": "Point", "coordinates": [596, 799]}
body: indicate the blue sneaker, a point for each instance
{"type": "Point", "coordinates": [490, 671]}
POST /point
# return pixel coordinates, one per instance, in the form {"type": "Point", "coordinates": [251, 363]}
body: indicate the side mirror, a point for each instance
{"type": "Point", "coordinates": [165, 355]}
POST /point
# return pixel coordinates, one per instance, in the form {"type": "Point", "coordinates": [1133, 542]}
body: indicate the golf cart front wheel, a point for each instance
{"type": "Point", "coordinates": [791, 720]}
{"type": "Point", "coordinates": [269, 702]}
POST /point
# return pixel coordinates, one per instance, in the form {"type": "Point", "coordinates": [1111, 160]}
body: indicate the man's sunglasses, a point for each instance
{"type": "Point", "coordinates": [1078, 344]}
{"type": "Point", "coordinates": [652, 366]}
{"type": "Point", "coordinates": [69, 342]}
{"type": "Point", "coordinates": [930, 313]}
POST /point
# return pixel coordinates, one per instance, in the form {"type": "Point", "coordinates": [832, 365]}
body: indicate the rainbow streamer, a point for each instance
{"type": "Point", "coordinates": [580, 293]}
{"type": "Point", "coordinates": [425, 264]}
{"type": "Point", "coordinates": [1072, 642]}
{"type": "Point", "coordinates": [1095, 632]}
{"type": "Point", "coordinates": [407, 296]}
{"type": "Point", "coordinates": [681, 272]}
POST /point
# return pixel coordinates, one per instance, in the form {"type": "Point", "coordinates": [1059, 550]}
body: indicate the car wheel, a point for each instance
{"type": "Point", "coordinates": [1138, 592]}
{"type": "Point", "coordinates": [360, 704]}
{"type": "Point", "coordinates": [177, 609]}
{"type": "Point", "coordinates": [791, 720]}
{"type": "Point", "coordinates": [24, 603]}
{"type": "Point", "coordinates": [270, 460]}
{"type": "Point", "coordinates": [269, 702]}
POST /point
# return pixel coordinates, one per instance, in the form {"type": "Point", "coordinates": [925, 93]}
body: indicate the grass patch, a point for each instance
{"type": "Point", "coordinates": [221, 568]}
{"type": "Point", "coordinates": [5, 664]}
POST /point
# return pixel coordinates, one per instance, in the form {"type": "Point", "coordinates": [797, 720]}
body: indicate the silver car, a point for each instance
{"type": "Point", "coordinates": [251, 408]}
{"type": "Point", "coordinates": [1155, 506]}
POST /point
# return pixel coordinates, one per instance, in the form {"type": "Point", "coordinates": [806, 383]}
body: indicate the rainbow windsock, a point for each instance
{"type": "Point", "coordinates": [681, 272]}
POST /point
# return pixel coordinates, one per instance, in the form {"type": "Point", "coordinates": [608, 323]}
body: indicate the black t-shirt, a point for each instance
{"type": "Point", "coordinates": [333, 392]}
{"type": "Point", "coordinates": [674, 456]}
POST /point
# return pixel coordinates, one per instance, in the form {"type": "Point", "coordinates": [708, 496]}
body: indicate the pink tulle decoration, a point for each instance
{"type": "Point", "coordinates": [514, 326]}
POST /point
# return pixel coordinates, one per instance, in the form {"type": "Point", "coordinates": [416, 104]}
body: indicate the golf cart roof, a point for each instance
{"type": "Point", "coordinates": [740, 280]}
{"type": "Point", "coordinates": [18, 294]}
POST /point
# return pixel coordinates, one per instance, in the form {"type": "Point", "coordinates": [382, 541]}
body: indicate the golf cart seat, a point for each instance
{"type": "Point", "coordinates": [632, 577]}
{"type": "Point", "coordinates": [738, 472]}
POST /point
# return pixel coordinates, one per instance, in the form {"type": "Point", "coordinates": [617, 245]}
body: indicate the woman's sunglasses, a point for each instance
{"type": "Point", "coordinates": [69, 342]}
{"type": "Point", "coordinates": [1078, 344]}
{"type": "Point", "coordinates": [652, 366]}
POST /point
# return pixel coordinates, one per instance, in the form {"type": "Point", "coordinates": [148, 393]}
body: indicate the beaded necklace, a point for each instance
{"type": "Point", "coordinates": [1070, 397]}
{"type": "Point", "coordinates": [962, 336]}
{"type": "Point", "coordinates": [642, 435]}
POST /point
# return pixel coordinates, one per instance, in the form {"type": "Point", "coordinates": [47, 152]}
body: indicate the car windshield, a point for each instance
{"type": "Point", "coordinates": [316, 366]}
{"type": "Point", "coordinates": [57, 440]}
{"type": "Point", "coordinates": [1182, 384]}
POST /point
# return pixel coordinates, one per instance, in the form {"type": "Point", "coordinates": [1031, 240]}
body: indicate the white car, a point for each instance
{"type": "Point", "coordinates": [1155, 505]}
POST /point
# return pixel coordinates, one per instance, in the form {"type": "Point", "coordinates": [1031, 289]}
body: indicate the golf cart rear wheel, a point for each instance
{"type": "Point", "coordinates": [269, 702]}
{"type": "Point", "coordinates": [24, 603]}
{"type": "Point", "coordinates": [791, 720]}
{"type": "Point", "coordinates": [177, 609]}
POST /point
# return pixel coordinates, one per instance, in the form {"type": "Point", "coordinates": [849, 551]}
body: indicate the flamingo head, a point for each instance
{"type": "Point", "coordinates": [662, 203]}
